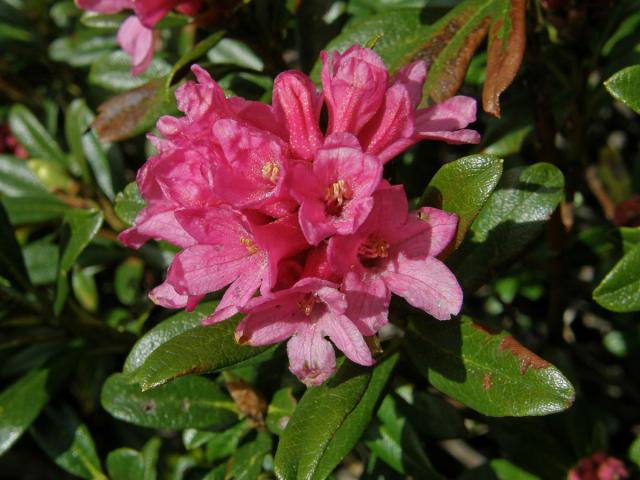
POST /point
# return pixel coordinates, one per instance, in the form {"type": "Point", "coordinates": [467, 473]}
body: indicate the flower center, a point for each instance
{"type": "Point", "coordinates": [307, 303]}
{"type": "Point", "coordinates": [374, 247]}
{"type": "Point", "coordinates": [270, 171]}
{"type": "Point", "coordinates": [249, 245]}
{"type": "Point", "coordinates": [335, 195]}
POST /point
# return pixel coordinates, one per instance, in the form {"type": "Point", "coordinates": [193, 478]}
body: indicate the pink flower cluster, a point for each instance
{"type": "Point", "coordinates": [598, 466]}
{"type": "Point", "coordinates": [135, 35]}
{"type": "Point", "coordinates": [258, 197]}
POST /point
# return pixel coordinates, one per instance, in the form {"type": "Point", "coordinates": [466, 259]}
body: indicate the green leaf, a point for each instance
{"type": "Point", "coordinates": [198, 350]}
{"type": "Point", "coordinates": [625, 86]}
{"type": "Point", "coordinates": [396, 442]}
{"type": "Point", "coordinates": [150, 454]}
{"type": "Point", "coordinates": [198, 50]}
{"type": "Point", "coordinates": [510, 143]}
{"type": "Point", "coordinates": [12, 266]}
{"type": "Point", "coordinates": [77, 121]}
{"type": "Point", "coordinates": [463, 187]}
{"type": "Point", "coordinates": [488, 371]}
{"type": "Point", "coordinates": [190, 402]}
{"type": "Point", "coordinates": [125, 464]}
{"type": "Point", "coordinates": [113, 72]}
{"type": "Point", "coordinates": [34, 137]}
{"type": "Point", "coordinates": [234, 52]}
{"type": "Point", "coordinates": [129, 203]}
{"type": "Point", "coordinates": [619, 291]}
{"type": "Point", "coordinates": [96, 154]}
{"type": "Point", "coordinates": [68, 443]}
{"type": "Point", "coordinates": [17, 180]}
{"type": "Point", "coordinates": [219, 445]}
{"type": "Point", "coordinates": [510, 220]}
{"type": "Point", "coordinates": [79, 228]}
{"type": "Point", "coordinates": [634, 451]}
{"type": "Point", "coordinates": [246, 463]}
{"type": "Point", "coordinates": [165, 331]}
{"type": "Point", "coordinates": [498, 469]}
{"type": "Point", "coordinates": [630, 237]}
{"type": "Point", "coordinates": [128, 280]}
{"type": "Point", "coordinates": [279, 412]}
{"type": "Point", "coordinates": [82, 49]}
{"type": "Point", "coordinates": [33, 209]}
{"type": "Point", "coordinates": [85, 289]}
{"type": "Point", "coordinates": [22, 401]}
{"type": "Point", "coordinates": [329, 421]}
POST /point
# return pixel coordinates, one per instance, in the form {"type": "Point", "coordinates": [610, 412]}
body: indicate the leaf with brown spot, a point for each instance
{"type": "Point", "coordinates": [488, 371]}
{"type": "Point", "coordinates": [133, 112]}
{"type": "Point", "coordinates": [249, 401]}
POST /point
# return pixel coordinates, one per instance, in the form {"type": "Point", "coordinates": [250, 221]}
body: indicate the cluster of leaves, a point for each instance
{"type": "Point", "coordinates": [98, 383]}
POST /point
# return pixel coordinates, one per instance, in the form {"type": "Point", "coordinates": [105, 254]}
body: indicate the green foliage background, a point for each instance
{"type": "Point", "coordinates": [96, 382]}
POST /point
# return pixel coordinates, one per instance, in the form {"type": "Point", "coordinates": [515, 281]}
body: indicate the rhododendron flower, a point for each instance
{"type": "Point", "coordinates": [598, 466]}
{"type": "Point", "coordinates": [135, 35]}
{"type": "Point", "coordinates": [260, 199]}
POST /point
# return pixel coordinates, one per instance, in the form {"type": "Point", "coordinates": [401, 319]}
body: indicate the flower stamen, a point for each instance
{"type": "Point", "coordinates": [270, 171]}
{"type": "Point", "coordinates": [249, 245]}
{"type": "Point", "coordinates": [374, 247]}
{"type": "Point", "coordinates": [335, 195]}
{"type": "Point", "coordinates": [307, 303]}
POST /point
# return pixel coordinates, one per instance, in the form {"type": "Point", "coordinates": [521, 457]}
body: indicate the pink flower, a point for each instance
{"type": "Point", "coordinates": [135, 35]}
{"type": "Point", "coordinates": [398, 251]}
{"type": "Point", "coordinates": [598, 466]}
{"type": "Point", "coordinates": [335, 190]}
{"type": "Point", "coordinates": [300, 226]}
{"type": "Point", "coordinates": [307, 312]}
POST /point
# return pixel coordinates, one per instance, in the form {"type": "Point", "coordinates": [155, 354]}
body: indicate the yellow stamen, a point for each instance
{"type": "Point", "coordinates": [249, 245]}
{"type": "Point", "coordinates": [335, 195]}
{"type": "Point", "coordinates": [374, 247]}
{"type": "Point", "coordinates": [270, 171]}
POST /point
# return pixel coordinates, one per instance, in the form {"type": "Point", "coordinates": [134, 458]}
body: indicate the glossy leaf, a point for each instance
{"type": "Point", "coordinates": [329, 421]}
{"type": "Point", "coordinates": [488, 371]}
{"type": "Point", "coordinates": [80, 226]}
{"type": "Point", "coordinates": [129, 464]}
{"type": "Point", "coordinates": [33, 209]}
{"type": "Point", "coordinates": [191, 402]}
{"type": "Point", "coordinates": [198, 350]}
{"type": "Point", "coordinates": [510, 220]}
{"type": "Point", "coordinates": [17, 180]}
{"type": "Point", "coordinates": [133, 112]}
{"type": "Point", "coordinates": [199, 50]}
{"type": "Point", "coordinates": [395, 441]}
{"type": "Point", "coordinates": [165, 331]}
{"type": "Point", "coordinates": [12, 266]}
{"type": "Point", "coordinates": [82, 48]}
{"type": "Point", "coordinates": [77, 121]}
{"type": "Point", "coordinates": [279, 412]}
{"type": "Point", "coordinates": [619, 291]}
{"type": "Point", "coordinates": [113, 72]}
{"type": "Point", "coordinates": [463, 187]}
{"type": "Point", "coordinates": [68, 443]}
{"type": "Point", "coordinates": [624, 87]}
{"type": "Point", "coordinates": [33, 136]}
{"type": "Point", "coordinates": [22, 401]}
{"type": "Point", "coordinates": [246, 463]}
{"type": "Point", "coordinates": [128, 203]}
{"type": "Point", "coordinates": [218, 445]}
{"type": "Point", "coordinates": [630, 238]}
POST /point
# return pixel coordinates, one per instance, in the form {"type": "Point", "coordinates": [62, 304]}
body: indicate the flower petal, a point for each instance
{"type": "Point", "coordinates": [446, 121]}
{"type": "Point", "coordinates": [368, 302]}
{"type": "Point", "coordinates": [311, 357]}
{"type": "Point", "coordinates": [137, 40]}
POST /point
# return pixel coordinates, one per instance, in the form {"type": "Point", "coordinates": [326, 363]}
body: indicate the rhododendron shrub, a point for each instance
{"type": "Point", "coordinates": [256, 239]}
{"type": "Point", "coordinates": [245, 188]}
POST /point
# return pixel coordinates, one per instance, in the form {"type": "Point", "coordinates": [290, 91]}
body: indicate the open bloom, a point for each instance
{"type": "Point", "coordinates": [135, 35]}
{"type": "Point", "coordinates": [260, 199]}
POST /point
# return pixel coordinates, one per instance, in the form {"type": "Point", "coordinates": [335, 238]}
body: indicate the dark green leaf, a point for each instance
{"type": "Point", "coordinates": [85, 289]}
{"type": "Point", "coordinates": [498, 469]}
{"type": "Point", "coordinates": [127, 280]}
{"type": "Point", "coordinates": [77, 121]}
{"type": "Point", "coordinates": [463, 187]}
{"type": "Point", "coordinates": [22, 401]}
{"type": "Point", "coordinates": [488, 371]}
{"type": "Point", "coordinates": [619, 291]}
{"type": "Point", "coordinates": [34, 137]}
{"type": "Point", "coordinates": [191, 402]}
{"type": "Point", "coordinates": [125, 464]}
{"type": "Point", "coordinates": [113, 72]}
{"type": "Point", "coordinates": [624, 87]}
{"type": "Point", "coordinates": [396, 442]}
{"type": "Point", "coordinates": [33, 209]}
{"type": "Point", "coordinates": [82, 49]}
{"type": "Point", "coordinates": [96, 154]}
{"type": "Point", "coordinates": [68, 443]}
{"type": "Point", "coordinates": [129, 203]}
{"type": "Point", "coordinates": [193, 54]}
{"type": "Point", "coordinates": [17, 180]}
{"type": "Point", "coordinates": [219, 445]}
{"type": "Point", "coordinates": [510, 220]}
{"type": "Point", "coordinates": [197, 350]}
{"type": "Point", "coordinates": [279, 412]}
{"type": "Point", "coordinates": [80, 226]}
{"type": "Point", "coordinates": [234, 52]}
{"type": "Point", "coordinates": [329, 421]}
{"type": "Point", "coordinates": [12, 265]}
{"type": "Point", "coordinates": [165, 331]}
{"type": "Point", "coordinates": [246, 463]}
{"type": "Point", "coordinates": [630, 237]}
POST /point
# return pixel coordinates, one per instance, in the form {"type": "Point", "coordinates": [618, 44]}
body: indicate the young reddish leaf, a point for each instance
{"type": "Point", "coordinates": [132, 112]}
{"type": "Point", "coordinates": [455, 38]}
